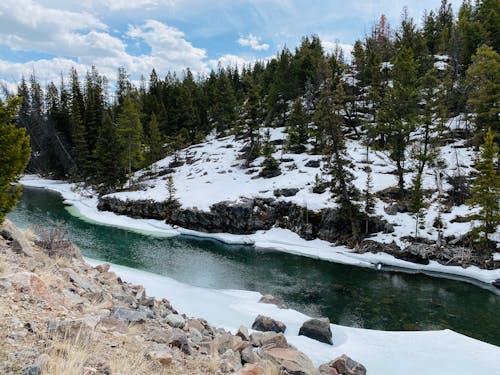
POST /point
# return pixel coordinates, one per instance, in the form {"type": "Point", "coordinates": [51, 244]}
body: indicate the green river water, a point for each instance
{"type": "Point", "coordinates": [348, 295]}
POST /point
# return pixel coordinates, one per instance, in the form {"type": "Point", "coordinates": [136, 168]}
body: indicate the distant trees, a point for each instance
{"type": "Point", "coordinates": [14, 156]}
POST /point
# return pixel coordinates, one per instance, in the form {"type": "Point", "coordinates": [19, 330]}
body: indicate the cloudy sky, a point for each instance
{"type": "Point", "coordinates": [49, 37]}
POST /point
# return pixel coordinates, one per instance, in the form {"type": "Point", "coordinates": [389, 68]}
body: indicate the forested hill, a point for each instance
{"type": "Point", "coordinates": [395, 94]}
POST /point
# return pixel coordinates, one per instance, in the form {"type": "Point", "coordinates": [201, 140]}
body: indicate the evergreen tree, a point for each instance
{"type": "Point", "coordinates": [342, 188]}
{"type": "Point", "coordinates": [297, 128]}
{"type": "Point", "coordinates": [15, 146]}
{"type": "Point", "coordinates": [417, 206]}
{"type": "Point", "coordinates": [251, 119]}
{"type": "Point", "coordinates": [154, 140]}
{"type": "Point", "coordinates": [108, 154]}
{"type": "Point", "coordinates": [483, 77]}
{"type": "Point", "coordinates": [270, 166]}
{"type": "Point", "coordinates": [130, 135]}
{"type": "Point", "coordinates": [486, 195]}
{"type": "Point", "coordinates": [398, 113]}
{"type": "Point", "coordinates": [368, 199]}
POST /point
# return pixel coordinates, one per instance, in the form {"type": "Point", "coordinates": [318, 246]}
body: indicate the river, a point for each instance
{"type": "Point", "coordinates": [348, 295]}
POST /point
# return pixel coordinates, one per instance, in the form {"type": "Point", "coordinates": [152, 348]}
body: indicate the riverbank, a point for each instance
{"type": "Point", "coordinates": [392, 353]}
{"type": "Point", "coordinates": [84, 204]}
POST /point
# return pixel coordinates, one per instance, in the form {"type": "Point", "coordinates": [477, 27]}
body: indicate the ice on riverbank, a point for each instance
{"type": "Point", "coordinates": [279, 239]}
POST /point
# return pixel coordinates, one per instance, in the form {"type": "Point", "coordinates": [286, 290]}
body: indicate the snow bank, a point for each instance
{"type": "Point", "coordinates": [383, 353]}
{"type": "Point", "coordinates": [85, 205]}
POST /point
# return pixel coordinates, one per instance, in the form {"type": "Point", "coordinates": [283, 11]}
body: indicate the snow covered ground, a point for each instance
{"type": "Point", "coordinates": [383, 353]}
{"type": "Point", "coordinates": [84, 205]}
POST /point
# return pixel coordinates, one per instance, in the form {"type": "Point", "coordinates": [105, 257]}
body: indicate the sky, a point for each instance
{"type": "Point", "coordinates": [49, 37]}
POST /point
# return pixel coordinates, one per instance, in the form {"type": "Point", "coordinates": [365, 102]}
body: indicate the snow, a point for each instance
{"type": "Point", "coordinates": [496, 257]}
{"type": "Point", "coordinates": [441, 65]}
{"type": "Point", "coordinates": [383, 353]}
{"type": "Point", "coordinates": [85, 206]}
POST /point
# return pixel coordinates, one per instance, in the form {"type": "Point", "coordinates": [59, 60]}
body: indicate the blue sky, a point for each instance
{"type": "Point", "coordinates": [49, 37]}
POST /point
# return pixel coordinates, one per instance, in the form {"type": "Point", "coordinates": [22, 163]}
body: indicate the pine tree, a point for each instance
{"type": "Point", "coordinates": [417, 206]}
{"type": "Point", "coordinates": [270, 166]}
{"type": "Point", "coordinates": [171, 203]}
{"type": "Point", "coordinates": [154, 140]}
{"type": "Point", "coordinates": [108, 155]}
{"type": "Point", "coordinates": [251, 119]}
{"type": "Point", "coordinates": [297, 128]}
{"type": "Point", "coordinates": [78, 131]}
{"type": "Point", "coordinates": [483, 78]}
{"type": "Point", "coordinates": [130, 135]}
{"type": "Point", "coordinates": [15, 146]}
{"type": "Point", "coordinates": [368, 199]}
{"type": "Point", "coordinates": [486, 194]}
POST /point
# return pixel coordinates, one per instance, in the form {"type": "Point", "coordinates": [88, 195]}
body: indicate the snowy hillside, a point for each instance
{"type": "Point", "coordinates": [212, 172]}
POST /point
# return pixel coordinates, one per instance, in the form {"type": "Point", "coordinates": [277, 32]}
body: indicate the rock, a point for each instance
{"type": "Point", "coordinates": [347, 366]}
{"type": "Point", "coordinates": [161, 354]}
{"type": "Point", "coordinates": [82, 329]}
{"type": "Point", "coordinates": [113, 324]}
{"type": "Point", "coordinates": [178, 339]}
{"type": "Point", "coordinates": [496, 283]}
{"type": "Point", "coordinates": [102, 267]}
{"type": "Point", "coordinates": [312, 163]}
{"type": "Point", "coordinates": [19, 243]}
{"type": "Point", "coordinates": [255, 339]}
{"type": "Point", "coordinates": [131, 315]}
{"type": "Point", "coordinates": [28, 282]}
{"type": "Point", "coordinates": [252, 369]}
{"type": "Point", "coordinates": [270, 299]}
{"type": "Point", "coordinates": [33, 370]}
{"type": "Point", "coordinates": [388, 228]}
{"type": "Point", "coordinates": [175, 320]}
{"type": "Point", "coordinates": [391, 209]}
{"type": "Point", "coordinates": [224, 342]}
{"type": "Point", "coordinates": [231, 361]}
{"type": "Point", "coordinates": [325, 369]}
{"type": "Point", "coordinates": [317, 329]}
{"type": "Point", "coordinates": [248, 355]}
{"type": "Point", "coordinates": [79, 281]}
{"type": "Point", "coordinates": [273, 340]}
{"type": "Point", "coordinates": [291, 360]}
{"type": "Point", "coordinates": [243, 333]}
{"type": "Point", "coordinates": [285, 192]}
{"type": "Point", "coordinates": [264, 323]}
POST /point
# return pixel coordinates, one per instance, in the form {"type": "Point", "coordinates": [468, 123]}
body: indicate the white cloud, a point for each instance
{"type": "Point", "coordinates": [115, 5]}
{"type": "Point", "coordinates": [253, 42]}
{"type": "Point", "coordinates": [169, 48]}
{"type": "Point", "coordinates": [330, 47]}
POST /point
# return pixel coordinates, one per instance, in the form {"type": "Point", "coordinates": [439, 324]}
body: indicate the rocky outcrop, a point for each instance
{"type": "Point", "coordinates": [246, 216]}
{"type": "Point", "coordinates": [265, 323]}
{"type": "Point", "coordinates": [342, 365]}
{"type": "Point", "coordinates": [317, 329]}
{"type": "Point", "coordinates": [272, 300]}
{"type": "Point", "coordinates": [291, 361]}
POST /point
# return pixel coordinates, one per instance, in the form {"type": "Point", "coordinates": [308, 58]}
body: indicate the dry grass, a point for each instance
{"type": "Point", "coordinates": [68, 356]}
{"type": "Point", "coordinates": [50, 278]}
{"type": "Point", "coordinates": [135, 364]}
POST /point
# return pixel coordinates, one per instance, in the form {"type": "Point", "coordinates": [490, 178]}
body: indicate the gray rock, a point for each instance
{"type": "Point", "coordinates": [273, 340]}
{"type": "Point", "coordinates": [33, 370]}
{"type": "Point", "coordinates": [79, 281]}
{"type": "Point", "coordinates": [496, 283]}
{"type": "Point", "coordinates": [265, 323]}
{"type": "Point", "coordinates": [317, 329]}
{"type": "Point", "coordinates": [175, 320]}
{"type": "Point", "coordinates": [243, 333]}
{"type": "Point", "coordinates": [290, 360]}
{"type": "Point", "coordinates": [285, 192]}
{"type": "Point", "coordinates": [248, 355]}
{"type": "Point", "coordinates": [178, 339]}
{"type": "Point", "coordinates": [131, 315]}
{"type": "Point", "coordinates": [231, 361]}
{"type": "Point", "coordinates": [312, 163]}
{"type": "Point", "coordinates": [255, 339]}
{"type": "Point", "coordinates": [391, 209]}
{"type": "Point", "coordinates": [347, 366]}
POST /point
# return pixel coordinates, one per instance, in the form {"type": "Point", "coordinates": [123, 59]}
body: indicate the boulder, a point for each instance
{"type": "Point", "coordinates": [251, 369]}
{"type": "Point", "coordinates": [102, 267]}
{"type": "Point", "coordinates": [317, 329]}
{"type": "Point", "coordinates": [345, 366]}
{"type": "Point", "coordinates": [161, 354]}
{"type": "Point", "coordinates": [131, 315]}
{"type": "Point", "coordinates": [270, 299]}
{"type": "Point", "coordinates": [178, 339]}
{"type": "Point", "coordinates": [175, 320]}
{"type": "Point", "coordinates": [312, 163]}
{"type": "Point", "coordinates": [285, 192]}
{"type": "Point", "coordinates": [496, 283]}
{"type": "Point", "coordinates": [391, 209]}
{"type": "Point", "coordinates": [290, 360]}
{"type": "Point", "coordinates": [19, 242]}
{"type": "Point", "coordinates": [230, 361]}
{"type": "Point", "coordinates": [273, 340]}
{"type": "Point", "coordinates": [28, 282]}
{"type": "Point", "coordinates": [325, 369]}
{"type": "Point", "coordinates": [80, 281]}
{"type": "Point", "coordinates": [82, 329]}
{"type": "Point", "coordinates": [265, 323]}
{"type": "Point", "coordinates": [248, 355]}
{"type": "Point", "coordinates": [243, 333]}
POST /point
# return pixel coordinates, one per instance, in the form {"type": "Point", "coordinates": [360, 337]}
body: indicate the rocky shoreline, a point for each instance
{"type": "Point", "coordinates": [249, 215]}
{"type": "Point", "coordinates": [63, 316]}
